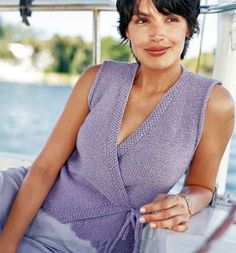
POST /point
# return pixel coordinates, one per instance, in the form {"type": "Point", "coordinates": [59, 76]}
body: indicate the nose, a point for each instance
{"type": "Point", "coordinates": [156, 32]}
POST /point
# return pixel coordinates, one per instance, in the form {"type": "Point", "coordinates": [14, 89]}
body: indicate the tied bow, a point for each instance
{"type": "Point", "coordinates": [133, 219]}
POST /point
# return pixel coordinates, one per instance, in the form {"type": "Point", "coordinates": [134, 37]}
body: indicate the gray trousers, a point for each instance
{"type": "Point", "coordinates": [45, 234]}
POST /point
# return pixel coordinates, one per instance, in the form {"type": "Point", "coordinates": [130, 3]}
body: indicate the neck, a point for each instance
{"type": "Point", "coordinates": [151, 81]}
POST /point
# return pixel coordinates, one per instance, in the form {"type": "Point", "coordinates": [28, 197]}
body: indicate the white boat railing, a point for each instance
{"type": "Point", "coordinates": [8, 160]}
{"type": "Point", "coordinates": [219, 232]}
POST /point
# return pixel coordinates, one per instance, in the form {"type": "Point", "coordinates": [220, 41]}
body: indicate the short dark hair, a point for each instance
{"type": "Point", "coordinates": [189, 9]}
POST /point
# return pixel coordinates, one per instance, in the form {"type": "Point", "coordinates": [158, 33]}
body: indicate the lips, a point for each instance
{"type": "Point", "coordinates": [156, 48]}
{"type": "Point", "coordinates": [157, 51]}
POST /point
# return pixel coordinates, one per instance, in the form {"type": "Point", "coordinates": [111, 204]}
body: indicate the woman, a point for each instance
{"type": "Point", "coordinates": [128, 132]}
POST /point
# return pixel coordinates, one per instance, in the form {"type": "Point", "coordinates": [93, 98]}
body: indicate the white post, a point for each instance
{"type": "Point", "coordinates": [225, 70]}
{"type": "Point", "coordinates": [96, 37]}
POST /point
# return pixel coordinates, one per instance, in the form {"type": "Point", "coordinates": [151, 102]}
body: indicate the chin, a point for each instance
{"type": "Point", "coordinates": [160, 65]}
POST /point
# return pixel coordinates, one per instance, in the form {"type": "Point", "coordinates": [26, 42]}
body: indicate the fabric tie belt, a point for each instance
{"type": "Point", "coordinates": [132, 218]}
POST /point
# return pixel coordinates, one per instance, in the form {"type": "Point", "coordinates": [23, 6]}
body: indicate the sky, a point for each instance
{"type": "Point", "coordinates": [80, 23]}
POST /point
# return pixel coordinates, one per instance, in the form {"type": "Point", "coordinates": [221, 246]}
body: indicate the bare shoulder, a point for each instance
{"type": "Point", "coordinates": [84, 84]}
{"type": "Point", "coordinates": [219, 120]}
{"type": "Point", "coordinates": [62, 140]}
{"type": "Point", "coordinates": [220, 101]}
{"type": "Point", "coordinates": [88, 75]}
{"type": "Point", "coordinates": [92, 70]}
{"type": "Point", "coordinates": [217, 130]}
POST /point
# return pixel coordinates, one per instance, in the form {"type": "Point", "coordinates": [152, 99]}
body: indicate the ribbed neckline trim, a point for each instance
{"type": "Point", "coordinates": [148, 123]}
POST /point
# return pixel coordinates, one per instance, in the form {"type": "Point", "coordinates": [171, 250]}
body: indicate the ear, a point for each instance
{"type": "Point", "coordinates": [127, 33]}
{"type": "Point", "coordinates": [188, 34]}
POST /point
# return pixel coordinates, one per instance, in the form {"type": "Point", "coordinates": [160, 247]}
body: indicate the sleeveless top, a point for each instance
{"type": "Point", "coordinates": [102, 185]}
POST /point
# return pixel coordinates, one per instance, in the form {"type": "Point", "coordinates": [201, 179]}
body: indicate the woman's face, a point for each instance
{"type": "Point", "coordinates": [157, 40]}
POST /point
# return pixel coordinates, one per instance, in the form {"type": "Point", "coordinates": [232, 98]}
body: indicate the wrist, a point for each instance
{"type": "Point", "coordinates": [6, 240]}
{"type": "Point", "coordinates": [187, 201]}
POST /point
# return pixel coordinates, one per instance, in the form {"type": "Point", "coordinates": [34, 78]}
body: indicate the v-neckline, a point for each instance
{"type": "Point", "coordinates": [124, 79]}
{"type": "Point", "coordinates": [152, 116]}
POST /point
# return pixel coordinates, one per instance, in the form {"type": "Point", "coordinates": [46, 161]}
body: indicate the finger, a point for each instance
{"type": "Point", "coordinates": [169, 223]}
{"type": "Point", "coordinates": [181, 227]}
{"type": "Point", "coordinates": [165, 203]}
{"type": "Point", "coordinates": [160, 197]}
{"type": "Point", "coordinates": [165, 214]}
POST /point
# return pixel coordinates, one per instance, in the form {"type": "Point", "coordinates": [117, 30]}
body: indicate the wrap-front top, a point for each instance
{"type": "Point", "coordinates": [102, 185]}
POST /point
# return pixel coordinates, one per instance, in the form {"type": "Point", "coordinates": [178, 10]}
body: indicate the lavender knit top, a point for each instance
{"type": "Point", "coordinates": [102, 185]}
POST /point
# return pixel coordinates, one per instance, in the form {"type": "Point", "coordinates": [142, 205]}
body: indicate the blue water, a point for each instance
{"type": "Point", "coordinates": [28, 114]}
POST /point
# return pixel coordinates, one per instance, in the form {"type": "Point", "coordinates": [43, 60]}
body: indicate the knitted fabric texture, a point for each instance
{"type": "Point", "coordinates": [102, 185]}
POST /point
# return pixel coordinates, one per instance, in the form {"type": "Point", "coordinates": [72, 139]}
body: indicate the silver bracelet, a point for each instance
{"type": "Point", "coordinates": [187, 202]}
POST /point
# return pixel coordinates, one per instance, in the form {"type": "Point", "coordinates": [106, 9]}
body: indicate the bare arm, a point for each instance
{"type": "Point", "coordinates": [200, 181]}
{"type": "Point", "coordinates": [218, 128]}
{"type": "Point", "coordinates": [46, 167]}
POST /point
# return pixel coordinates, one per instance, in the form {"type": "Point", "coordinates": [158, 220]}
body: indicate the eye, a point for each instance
{"type": "Point", "coordinates": [172, 19]}
{"type": "Point", "coordinates": [141, 20]}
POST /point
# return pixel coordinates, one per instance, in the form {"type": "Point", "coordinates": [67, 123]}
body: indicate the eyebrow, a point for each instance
{"type": "Point", "coordinates": [140, 13]}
